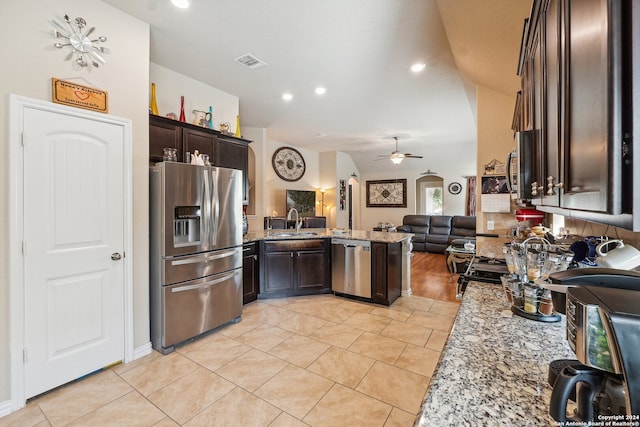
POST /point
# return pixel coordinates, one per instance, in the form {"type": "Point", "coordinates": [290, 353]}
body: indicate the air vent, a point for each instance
{"type": "Point", "coordinates": [250, 61]}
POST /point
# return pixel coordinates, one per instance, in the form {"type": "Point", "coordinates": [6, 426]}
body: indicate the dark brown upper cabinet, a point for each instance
{"type": "Point", "coordinates": [223, 150]}
{"type": "Point", "coordinates": [581, 100]}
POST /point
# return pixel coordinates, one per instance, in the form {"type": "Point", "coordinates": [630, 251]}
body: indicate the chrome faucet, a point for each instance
{"type": "Point", "coordinates": [298, 219]}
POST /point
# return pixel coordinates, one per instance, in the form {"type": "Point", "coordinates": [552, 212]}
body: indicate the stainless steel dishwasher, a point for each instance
{"type": "Point", "coordinates": [351, 267]}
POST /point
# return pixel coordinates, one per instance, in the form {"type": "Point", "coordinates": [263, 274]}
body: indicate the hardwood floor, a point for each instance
{"type": "Point", "coordinates": [431, 279]}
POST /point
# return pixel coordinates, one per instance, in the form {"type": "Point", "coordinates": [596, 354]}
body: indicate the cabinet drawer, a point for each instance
{"type": "Point", "coordinates": [293, 245]}
{"type": "Point", "coordinates": [249, 249]}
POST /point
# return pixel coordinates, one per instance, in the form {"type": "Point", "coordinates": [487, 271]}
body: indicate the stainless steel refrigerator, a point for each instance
{"type": "Point", "coordinates": [195, 251]}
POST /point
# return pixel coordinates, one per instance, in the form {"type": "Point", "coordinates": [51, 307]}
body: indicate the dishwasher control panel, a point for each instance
{"type": "Point", "coordinates": [365, 244]}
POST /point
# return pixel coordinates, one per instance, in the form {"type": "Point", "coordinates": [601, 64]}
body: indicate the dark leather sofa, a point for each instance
{"type": "Point", "coordinates": [433, 233]}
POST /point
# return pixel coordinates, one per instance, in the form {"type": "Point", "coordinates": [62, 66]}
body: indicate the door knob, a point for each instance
{"type": "Point", "coordinates": [116, 256]}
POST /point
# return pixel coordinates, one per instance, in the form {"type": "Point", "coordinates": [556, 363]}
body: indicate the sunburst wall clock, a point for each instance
{"type": "Point", "coordinates": [87, 51]}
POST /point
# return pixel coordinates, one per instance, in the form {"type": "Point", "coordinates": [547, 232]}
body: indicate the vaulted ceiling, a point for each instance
{"type": "Point", "coordinates": [361, 52]}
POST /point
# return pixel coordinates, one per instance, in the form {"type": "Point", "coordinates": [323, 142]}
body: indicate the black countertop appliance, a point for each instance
{"type": "Point", "coordinates": [605, 277]}
{"type": "Point", "coordinates": [603, 329]}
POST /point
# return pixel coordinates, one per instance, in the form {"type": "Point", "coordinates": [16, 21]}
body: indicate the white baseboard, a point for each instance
{"type": "Point", "coordinates": [142, 351]}
{"type": "Point", "coordinates": [406, 293]}
{"type": "Point", "coordinates": [5, 408]}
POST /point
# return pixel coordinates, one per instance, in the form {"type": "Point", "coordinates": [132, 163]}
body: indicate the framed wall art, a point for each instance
{"type": "Point", "coordinates": [387, 193]}
{"type": "Point", "coordinates": [343, 195]}
{"type": "Point", "coordinates": [494, 184]}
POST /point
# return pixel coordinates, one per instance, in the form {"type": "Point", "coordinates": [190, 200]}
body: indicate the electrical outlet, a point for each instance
{"type": "Point", "coordinates": [490, 225]}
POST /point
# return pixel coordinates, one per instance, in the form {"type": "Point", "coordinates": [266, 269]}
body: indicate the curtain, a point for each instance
{"type": "Point", "coordinates": [471, 196]}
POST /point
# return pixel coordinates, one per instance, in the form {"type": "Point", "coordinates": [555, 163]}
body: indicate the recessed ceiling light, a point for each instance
{"type": "Point", "coordinates": [180, 4]}
{"type": "Point", "coordinates": [321, 90]}
{"type": "Point", "coordinates": [416, 68]}
{"type": "Point", "coordinates": [321, 135]}
{"type": "Point", "coordinates": [287, 96]}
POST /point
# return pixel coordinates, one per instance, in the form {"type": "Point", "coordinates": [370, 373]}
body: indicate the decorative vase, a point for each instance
{"type": "Point", "coordinates": [154, 103]}
{"type": "Point", "coordinates": [238, 134]}
{"type": "Point", "coordinates": [182, 117]}
{"type": "Point", "coordinates": [210, 117]}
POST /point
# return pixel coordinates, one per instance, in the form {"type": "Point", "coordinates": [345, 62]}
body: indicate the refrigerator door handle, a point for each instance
{"type": "Point", "coordinates": [215, 214]}
{"type": "Point", "coordinates": [200, 258]}
{"type": "Point", "coordinates": [206, 201]}
{"type": "Point", "coordinates": [206, 284]}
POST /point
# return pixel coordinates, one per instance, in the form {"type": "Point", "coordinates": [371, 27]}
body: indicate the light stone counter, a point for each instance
{"type": "Point", "coordinates": [493, 369]}
{"type": "Point", "coordinates": [317, 233]}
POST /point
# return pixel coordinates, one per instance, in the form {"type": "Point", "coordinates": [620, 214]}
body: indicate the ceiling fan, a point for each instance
{"type": "Point", "coordinates": [429, 172]}
{"type": "Point", "coordinates": [396, 157]}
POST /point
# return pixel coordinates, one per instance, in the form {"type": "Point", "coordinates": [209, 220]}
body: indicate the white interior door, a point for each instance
{"type": "Point", "coordinates": [73, 223]}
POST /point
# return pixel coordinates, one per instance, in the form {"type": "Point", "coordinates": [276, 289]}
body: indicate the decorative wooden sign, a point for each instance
{"type": "Point", "coordinates": [75, 95]}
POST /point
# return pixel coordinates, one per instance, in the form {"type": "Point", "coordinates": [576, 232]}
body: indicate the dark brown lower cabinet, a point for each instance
{"type": "Point", "coordinates": [250, 272]}
{"type": "Point", "coordinates": [386, 272]}
{"type": "Point", "coordinates": [294, 267]}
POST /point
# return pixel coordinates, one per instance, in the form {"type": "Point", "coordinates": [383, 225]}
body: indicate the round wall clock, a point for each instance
{"type": "Point", "coordinates": [288, 163]}
{"type": "Point", "coordinates": [455, 188]}
{"type": "Point", "coordinates": [78, 39]}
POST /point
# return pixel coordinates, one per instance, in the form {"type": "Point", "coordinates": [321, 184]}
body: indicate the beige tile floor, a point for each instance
{"type": "Point", "coordinates": [318, 361]}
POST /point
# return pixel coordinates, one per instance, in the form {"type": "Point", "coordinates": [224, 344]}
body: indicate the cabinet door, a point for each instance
{"type": "Point", "coordinates": [250, 278]}
{"type": "Point", "coordinates": [552, 101]}
{"type": "Point", "coordinates": [537, 93]}
{"type": "Point", "coordinates": [386, 274]}
{"type": "Point", "coordinates": [278, 272]}
{"type": "Point", "coordinates": [202, 141]}
{"type": "Point", "coordinates": [311, 270]}
{"type": "Point", "coordinates": [394, 271]}
{"type": "Point", "coordinates": [163, 133]}
{"type": "Point", "coordinates": [379, 272]}
{"type": "Point", "coordinates": [593, 139]}
{"type": "Point", "coordinates": [234, 154]}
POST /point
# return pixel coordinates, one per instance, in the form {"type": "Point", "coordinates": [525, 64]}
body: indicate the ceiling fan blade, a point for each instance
{"type": "Point", "coordinates": [413, 156]}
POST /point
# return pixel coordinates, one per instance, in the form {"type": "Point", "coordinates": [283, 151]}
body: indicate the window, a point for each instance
{"type": "Point", "coordinates": [429, 195]}
{"type": "Point", "coordinates": [433, 201]}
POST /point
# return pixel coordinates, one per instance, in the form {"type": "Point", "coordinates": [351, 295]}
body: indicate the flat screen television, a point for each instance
{"type": "Point", "coordinates": [303, 201]}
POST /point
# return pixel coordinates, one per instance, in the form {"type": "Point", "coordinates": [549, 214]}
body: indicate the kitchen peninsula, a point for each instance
{"type": "Point", "coordinates": [290, 262]}
{"type": "Point", "coordinates": [493, 369]}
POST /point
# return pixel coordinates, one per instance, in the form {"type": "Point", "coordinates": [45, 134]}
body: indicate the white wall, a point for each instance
{"type": "Point", "coordinates": [323, 171]}
{"type": "Point", "coordinates": [197, 96]}
{"type": "Point", "coordinates": [275, 199]}
{"type": "Point", "coordinates": [29, 61]}
{"type": "Point", "coordinates": [344, 168]}
{"type": "Point", "coordinates": [451, 163]}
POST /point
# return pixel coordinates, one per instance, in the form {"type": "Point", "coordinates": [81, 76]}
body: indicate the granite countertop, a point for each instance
{"type": "Point", "coordinates": [323, 233]}
{"type": "Point", "coordinates": [493, 369]}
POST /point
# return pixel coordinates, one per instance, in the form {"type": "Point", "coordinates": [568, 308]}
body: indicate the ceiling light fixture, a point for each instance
{"type": "Point", "coordinates": [396, 160]}
{"type": "Point", "coordinates": [416, 68]}
{"type": "Point", "coordinates": [321, 90]}
{"type": "Point", "coordinates": [180, 4]}
{"type": "Point", "coordinates": [287, 96]}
